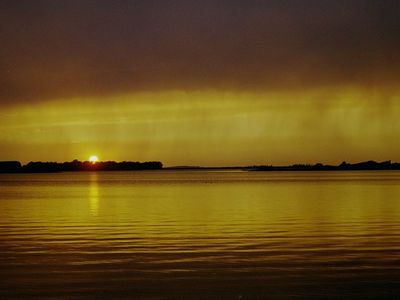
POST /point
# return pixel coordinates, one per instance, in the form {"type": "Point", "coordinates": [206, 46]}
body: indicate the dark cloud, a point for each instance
{"type": "Point", "coordinates": [53, 48]}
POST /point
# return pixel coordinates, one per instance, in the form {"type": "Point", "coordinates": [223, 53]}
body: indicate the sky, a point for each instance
{"type": "Point", "coordinates": [212, 83]}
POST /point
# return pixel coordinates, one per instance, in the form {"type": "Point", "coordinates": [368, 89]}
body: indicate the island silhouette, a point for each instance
{"type": "Point", "coordinates": [76, 165]}
{"type": "Point", "coordinates": [344, 166]}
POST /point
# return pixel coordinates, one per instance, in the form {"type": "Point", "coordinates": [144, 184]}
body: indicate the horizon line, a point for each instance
{"type": "Point", "coordinates": [202, 166]}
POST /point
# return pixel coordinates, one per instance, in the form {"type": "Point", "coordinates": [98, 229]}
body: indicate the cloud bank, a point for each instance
{"type": "Point", "coordinates": [60, 49]}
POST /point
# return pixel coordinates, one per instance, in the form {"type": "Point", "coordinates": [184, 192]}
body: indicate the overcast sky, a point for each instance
{"type": "Point", "coordinates": [200, 82]}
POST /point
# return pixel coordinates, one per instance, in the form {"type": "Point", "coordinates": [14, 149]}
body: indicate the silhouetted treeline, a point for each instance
{"type": "Point", "coordinates": [367, 165]}
{"type": "Point", "coordinates": [47, 167]}
{"type": "Point", "coordinates": [9, 166]}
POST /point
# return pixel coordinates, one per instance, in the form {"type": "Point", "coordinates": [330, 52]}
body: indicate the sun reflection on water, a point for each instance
{"type": "Point", "coordinates": [94, 194]}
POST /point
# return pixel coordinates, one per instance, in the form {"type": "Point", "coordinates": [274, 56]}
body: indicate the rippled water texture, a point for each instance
{"type": "Point", "coordinates": [200, 235]}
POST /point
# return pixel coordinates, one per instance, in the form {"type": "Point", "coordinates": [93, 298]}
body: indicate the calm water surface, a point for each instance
{"type": "Point", "coordinates": [200, 235]}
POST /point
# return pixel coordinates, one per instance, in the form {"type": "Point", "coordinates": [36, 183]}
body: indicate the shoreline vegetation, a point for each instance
{"type": "Point", "coordinates": [78, 166]}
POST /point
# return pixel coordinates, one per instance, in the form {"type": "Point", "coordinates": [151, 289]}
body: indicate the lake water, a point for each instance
{"type": "Point", "coordinates": [200, 235]}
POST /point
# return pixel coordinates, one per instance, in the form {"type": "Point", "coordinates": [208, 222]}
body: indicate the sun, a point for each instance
{"type": "Point", "coordinates": [93, 159]}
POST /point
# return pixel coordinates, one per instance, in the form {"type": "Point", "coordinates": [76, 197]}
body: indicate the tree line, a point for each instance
{"type": "Point", "coordinates": [76, 165]}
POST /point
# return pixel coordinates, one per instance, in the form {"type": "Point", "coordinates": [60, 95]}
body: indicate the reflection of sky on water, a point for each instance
{"type": "Point", "coordinates": [150, 234]}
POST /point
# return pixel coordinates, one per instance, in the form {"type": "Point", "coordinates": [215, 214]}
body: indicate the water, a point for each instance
{"type": "Point", "coordinates": [200, 235]}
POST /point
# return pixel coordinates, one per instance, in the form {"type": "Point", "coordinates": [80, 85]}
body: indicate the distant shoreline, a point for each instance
{"type": "Point", "coordinates": [86, 166]}
{"type": "Point", "coordinates": [344, 166]}
{"type": "Point", "coordinates": [361, 166]}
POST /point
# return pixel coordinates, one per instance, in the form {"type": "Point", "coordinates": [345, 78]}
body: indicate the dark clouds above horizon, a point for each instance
{"type": "Point", "coordinates": [59, 49]}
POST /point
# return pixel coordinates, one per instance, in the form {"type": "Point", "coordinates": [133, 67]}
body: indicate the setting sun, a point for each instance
{"type": "Point", "coordinates": [93, 159]}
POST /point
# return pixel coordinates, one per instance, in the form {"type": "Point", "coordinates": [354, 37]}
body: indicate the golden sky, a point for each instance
{"type": "Point", "coordinates": [200, 82]}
